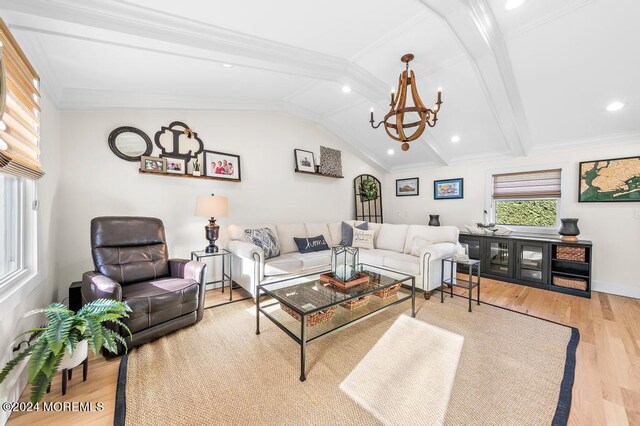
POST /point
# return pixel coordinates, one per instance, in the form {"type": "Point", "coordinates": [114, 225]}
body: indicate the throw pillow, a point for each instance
{"type": "Point", "coordinates": [265, 239]}
{"type": "Point", "coordinates": [347, 232]}
{"type": "Point", "coordinates": [418, 245]}
{"type": "Point", "coordinates": [363, 239]}
{"type": "Point", "coordinates": [308, 245]}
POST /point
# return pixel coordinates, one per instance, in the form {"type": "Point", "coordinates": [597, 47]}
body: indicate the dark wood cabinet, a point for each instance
{"type": "Point", "coordinates": [542, 262]}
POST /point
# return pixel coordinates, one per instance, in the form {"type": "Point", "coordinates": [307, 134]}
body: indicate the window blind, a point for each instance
{"type": "Point", "coordinates": [19, 109]}
{"type": "Point", "coordinates": [536, 184]}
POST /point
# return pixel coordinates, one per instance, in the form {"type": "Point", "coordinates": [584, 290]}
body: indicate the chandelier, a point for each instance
{"type": "Point", "coordinates": [396, 129]}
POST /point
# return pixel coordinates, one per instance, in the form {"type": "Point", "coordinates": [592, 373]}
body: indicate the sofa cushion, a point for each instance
{"type": "Point", "coordinates": [363, 239]}
{"type": "Point", "coordinates": [319, 259]}
{"type": "Point", "coordinates": [335, 229]}
{"type": "Point", "coordinates": [236, 232]}
{"type": "Point", "coordinates": [311, 244]}
{"type": "Point", "coordinates": [347, 232]}
{"type": "Point", "coordinates": [156, 301]}
{"type": "Point", "coordinates": [287, 232]}
{"type": "Point", "coordinates": [403, 263]}
{"type": "Point", "coordinates": [375, 227]}
{"type": "Point", "coordinates": [392, 237]}
{"type": "Point", "coordinates": [418, 245]}
{"type": "Point", "coordinates": [320, 229]}
{"type": "Point", "coordinates": [265, 239]}
{"type": "Point", "coordinates": [373, 257]}
{"type": "Point", "coordinates": [436, 234]}
{"type": "Point", "coordinates": [284, 264]}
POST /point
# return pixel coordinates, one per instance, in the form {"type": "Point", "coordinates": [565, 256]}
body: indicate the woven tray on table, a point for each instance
{"type": "Point", "coordinates": [354, 304]}
{"type": "Point", "coordinates": [575, 283]}
{"type": "Point", "coordinates": [387, 291]}
{"type": "Point", "coordinates": [576, 254]}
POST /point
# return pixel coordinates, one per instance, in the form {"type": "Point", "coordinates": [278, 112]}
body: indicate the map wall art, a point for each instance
{"type": "Point", "coordinates": [616, 179]}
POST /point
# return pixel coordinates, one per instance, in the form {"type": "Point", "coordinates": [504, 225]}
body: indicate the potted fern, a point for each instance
{"type": "Point", "coordinates": [64, 340]}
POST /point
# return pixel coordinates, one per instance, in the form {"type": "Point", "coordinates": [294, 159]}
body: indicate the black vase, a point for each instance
{"type": "Point", "coordinates": [434, 220]}
{"type": "Point", "coordinates": [569, 229]}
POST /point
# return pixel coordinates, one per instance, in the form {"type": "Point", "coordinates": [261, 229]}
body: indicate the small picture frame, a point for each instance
{"type": "Point", "coordinates": [153, 164]}
{"type": "Point", "coordinates": [305, 162]}
{"type": "Point", "coordinates": [176, 166]}
{"type": "Point", "coordinates": [407, 187]}
{"type": "Point", "coordinates": [222, 165]}
{"type": "Point", "coordinates": [448, 189]}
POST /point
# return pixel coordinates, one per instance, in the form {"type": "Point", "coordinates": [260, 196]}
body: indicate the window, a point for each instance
{"type": "Point", "coordinates": [10, 224]}
{"type": "Point", "coordinates": [530, 199]}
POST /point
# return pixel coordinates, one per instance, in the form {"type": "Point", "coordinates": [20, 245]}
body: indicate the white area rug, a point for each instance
{"type": "Point", "coordinates": [407, 377]}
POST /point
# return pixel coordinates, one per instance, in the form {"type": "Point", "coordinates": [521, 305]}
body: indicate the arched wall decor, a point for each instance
{"type": "Point", "coordinates": [175, 129]}
{"type": "Point", "coordinates": [368, 198]}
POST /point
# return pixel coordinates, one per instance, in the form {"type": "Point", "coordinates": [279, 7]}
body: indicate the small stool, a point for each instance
{"type": "Point", "coordinates": [469, 284]}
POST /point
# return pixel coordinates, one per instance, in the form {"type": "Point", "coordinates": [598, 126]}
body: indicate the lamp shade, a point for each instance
{"type": "Point", "coordinates": [212, 206]}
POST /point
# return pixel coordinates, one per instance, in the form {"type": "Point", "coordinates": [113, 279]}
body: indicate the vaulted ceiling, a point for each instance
{"type": "Point", "coordinates": [529, 80]}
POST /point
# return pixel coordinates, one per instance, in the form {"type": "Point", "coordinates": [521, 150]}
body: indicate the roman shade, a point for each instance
{"type": "Point", "coordinates": [20, 111]}
{"type": "Point", "coordinates": [535, 184]}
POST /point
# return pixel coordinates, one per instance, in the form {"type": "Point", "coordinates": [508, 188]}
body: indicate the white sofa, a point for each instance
{"type": "Point", "coordinates": [392, 250]}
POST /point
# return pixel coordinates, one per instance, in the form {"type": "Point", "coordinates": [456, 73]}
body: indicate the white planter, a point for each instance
{"type": "Point", "coordinates": [196, 173]}
{"type": "Point", "coordinates": [76, 358]}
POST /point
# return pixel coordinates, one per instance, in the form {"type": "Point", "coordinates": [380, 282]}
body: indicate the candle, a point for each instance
{"type": "Point", "coordinates": [343, 272]}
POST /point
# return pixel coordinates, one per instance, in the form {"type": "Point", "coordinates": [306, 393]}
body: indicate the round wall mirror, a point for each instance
{"type": "Point", "coordinates": [130, 143]}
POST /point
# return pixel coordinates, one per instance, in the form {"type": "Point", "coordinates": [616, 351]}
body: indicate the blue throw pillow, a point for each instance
{"type": "Point", "coordinates": [347, 232]}
{"type": "Point", "coordinates": [265, 239]}
{"type": "Point", "coordinates": [308, 245]}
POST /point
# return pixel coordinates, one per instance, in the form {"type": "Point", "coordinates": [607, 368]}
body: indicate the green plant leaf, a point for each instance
{"type": "Point", "coordinates": [38, 357]}
{"type": "Point", "coordinates": [39, 386]}
{"type": "Point", "coordinates": [13, 362]}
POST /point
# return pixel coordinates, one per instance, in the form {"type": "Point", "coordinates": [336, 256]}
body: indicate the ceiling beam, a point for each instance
{"type": "Point", "coordinates": [475, 27]}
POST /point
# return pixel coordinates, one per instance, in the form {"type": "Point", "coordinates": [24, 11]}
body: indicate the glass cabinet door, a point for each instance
{"type": "Point", "coordinates": [532, 262]}
{"type": "Point", "coordinates": [498, 257]}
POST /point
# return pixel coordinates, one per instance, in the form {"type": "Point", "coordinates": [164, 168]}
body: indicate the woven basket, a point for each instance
{"type": "Point", "coordinates": [314, 319]}
{"type": "Point", "coordinates": [575, 283]}
{"type": "Point", "coordinates": [388, 291]}
{"type": "Point", "coordinates": [354, 304]}
{"type": "Point", "coordinates": [576, 254]}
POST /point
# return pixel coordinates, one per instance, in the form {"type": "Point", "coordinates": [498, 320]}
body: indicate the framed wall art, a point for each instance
{"type": "Point", "coordinates": [222, 165]}
{"type": "Point", "coordinates": [176, 166]}
{"type": "Point", "coordinates": [612, 180]}
{"type": "Point", "coordinates": [305, 161]}
{"type": "Point", "coordinates": [407, 187]}
{"type": "Point", "coordinates": [448, 189]}
{"type": "Point", "coordinates": [153, 164]}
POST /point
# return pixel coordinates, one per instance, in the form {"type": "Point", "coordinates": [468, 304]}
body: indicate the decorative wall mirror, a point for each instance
{"type": "Point", "coordinates": [130, 143]}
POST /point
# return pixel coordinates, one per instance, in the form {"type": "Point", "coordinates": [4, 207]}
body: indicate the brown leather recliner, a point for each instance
{"type": "Point", "coordinates": [132, 265]}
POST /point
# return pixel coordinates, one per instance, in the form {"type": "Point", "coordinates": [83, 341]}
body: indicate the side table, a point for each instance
{"type": "Point", "coordinates": [469, 284]}
{"type": "Point", "coordinates": [225, 277]}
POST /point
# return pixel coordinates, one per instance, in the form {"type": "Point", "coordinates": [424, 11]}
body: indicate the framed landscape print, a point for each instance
{"type": "Point", "coordinates": [304, 161]}
{"type": "Point", "coordinates": [407, 187]}
{"type": "Point", "coordinates": [153, 164]}
{"type": "Point", "coordinates": [176, 166]}
{"type": "Point", "coordinates": [616, 179]}
{"type": "Point", "coordinates": [449, 189]}
{"type": "Point", "coordinates": [222, 165]}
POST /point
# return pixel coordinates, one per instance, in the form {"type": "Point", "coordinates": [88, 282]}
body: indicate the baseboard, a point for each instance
{"type": "Point", "coordinates": [13, 388]}
{"type": "Point", "coordinates": [627, 290]}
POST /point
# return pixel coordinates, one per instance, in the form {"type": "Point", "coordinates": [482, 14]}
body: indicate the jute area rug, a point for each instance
{"type": "Point", "coordinates": [513, 370]}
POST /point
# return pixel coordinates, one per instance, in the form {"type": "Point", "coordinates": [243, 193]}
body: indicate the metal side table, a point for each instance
{"type": "Point", "coordinates": [225, 277]}
{"type": "Point", "coordinates": [469, 284]}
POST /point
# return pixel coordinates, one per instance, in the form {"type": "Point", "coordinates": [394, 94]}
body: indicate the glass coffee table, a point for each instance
{"type": "Point", "coordinates": [307, 309]}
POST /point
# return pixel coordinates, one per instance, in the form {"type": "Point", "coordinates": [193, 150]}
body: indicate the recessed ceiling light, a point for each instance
{"type": "Point", "coordinates": [615, 106]}
{"type": "Point", "coordinates": [227, 65]}
{"type": "Point", "coordinates": [455, 138]}
{"type": "Point", "coordinates": [390, 151]}
{"type": "Point", "coordinates": [513, 4]}
{"type": "Point", "coordinates": [346, 89]}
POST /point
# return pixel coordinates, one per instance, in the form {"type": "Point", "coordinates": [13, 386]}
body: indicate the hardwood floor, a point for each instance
{"type": "Point", "coordinates": [607, 381]}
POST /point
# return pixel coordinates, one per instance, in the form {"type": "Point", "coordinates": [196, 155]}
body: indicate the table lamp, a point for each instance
{"type": "Point", "coordinates": [211, 206]}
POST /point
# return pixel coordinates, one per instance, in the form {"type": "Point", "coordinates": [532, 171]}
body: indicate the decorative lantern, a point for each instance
{"type": "Point", "coordinates": [344, 262]}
